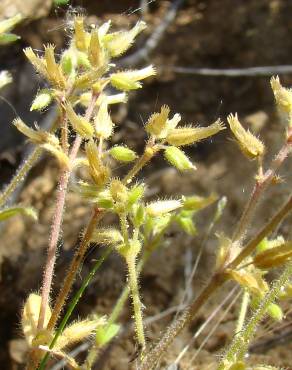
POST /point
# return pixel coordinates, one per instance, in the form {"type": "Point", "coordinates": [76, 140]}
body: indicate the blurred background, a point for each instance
{"type": "Point", "coordinates": [209, 57]}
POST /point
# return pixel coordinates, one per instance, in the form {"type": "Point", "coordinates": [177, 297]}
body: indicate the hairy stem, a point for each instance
{"type": "Point", "coordinates": [243, 311]}
{"type": "Point", "coordinates": [149, 152]}
{"type": "Point", "coordinates": [57, 222]}
{"type": "Point", "coordinates": [74, 268]}
{"type": "Point", "coordinates": [261, 184]}
{"type": "Point", "coordinates": [20, 175]}
{"type": "Point", "coordinates": [215, 282]}
{"type": "Point", "coordinates": [73, 304]}
{"type": "Point", "coordinates": [241, 341]}
{"type": "Point", "coordinates": [137, 305]}
{"type": "Point", "coordinates": [183, 320]}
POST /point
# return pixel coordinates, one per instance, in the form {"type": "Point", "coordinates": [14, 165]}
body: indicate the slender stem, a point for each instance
{"type": "Point", "coordinates": [265, 231]}
{"type": "Point", "coordinates": [73, 304]}
{"type": "Point", "coordinates": [185, 318]}
{"type": "Point", "coordinates": [259, 188]}
{"type": "Point", "coordinates": [57, 222]}
{"type": "Point", "coordinates": [150, 150]}
{"type": "Point", "coordinates": [243, 311]}
{"type": "Point", "coordinates": [240, 342]}
{"type": "Point", "coordinates": [137, 305]}
{"type": "Point", "coordinates": [215, 282]}
{"type": "Point", "coordinates": [21, 173]}
{"type": "Point", "coordinates": [52, 248]}
{"type": "Point", "coordinates": [73, 269]}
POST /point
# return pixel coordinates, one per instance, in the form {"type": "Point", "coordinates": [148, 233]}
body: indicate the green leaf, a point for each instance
{"type": "Point", "coordinates": [7, 38]}
{"type": "Point", "coordinates": [61, 2]}
{"type": "Point", "coordinates": [106, 333]}
{"type": "Point", "coordinates": [13, 211]}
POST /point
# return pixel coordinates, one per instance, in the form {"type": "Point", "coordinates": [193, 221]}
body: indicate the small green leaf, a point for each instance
{"type": "Point", "coordinates": [13, 211]}
{"type": "Point", "coordinates": [61, 2]}
{"type": "Point", "coordinates": [7, 38]}
{"type": "Point", "coordinates": [106, 333]}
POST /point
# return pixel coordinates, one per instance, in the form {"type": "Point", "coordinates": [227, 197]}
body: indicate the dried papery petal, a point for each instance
{"type": "Point", "coordinates": [250, 280]}
{"type": "Point", "coordinates": [274, 257]}
{"type": "Point", "coordinates": [249, 144]}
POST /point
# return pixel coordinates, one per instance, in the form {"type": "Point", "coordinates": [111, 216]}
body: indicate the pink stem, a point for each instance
{"type": "Point", "coordinates": [57, 223]}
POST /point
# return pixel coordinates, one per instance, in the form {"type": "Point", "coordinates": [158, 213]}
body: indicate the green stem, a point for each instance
{"type": "Point", "coordinates": [137, 305]}
{"type": "Point", "coordinates": [20, 175]}
{"type": "Point", "coordinates": [240, 343]}
{"type": "Point", "coordinates": [189, 313]}
{"type": "Point", "coordinates": [243, 311]}
{"type": "Point", "coordinates": [149, 152]}
{"type": "Point", "coordinates": [73, 304]}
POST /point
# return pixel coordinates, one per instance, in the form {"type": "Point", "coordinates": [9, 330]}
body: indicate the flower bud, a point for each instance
{"type": "Point", "coordinates": [68, 62]}
{"type": "Point", "coordinates": [99, 173]}
{"type": "Point", "coordinates": [30, 315]}
{"type": "Point", "coordinates": [77, 332]}
{"type": "Point", "coordinates": [54, 71]}
{"type": "Point", "coordinates": [157, 123]}
{"type": "Point", "coordinates": [80, 36]}
{"type": "Point", "coordinates": [129, 80]}
{"type": "Point", "coordinates": [189, 135]}
{"type": "Point", "coordinates": [103, 123]}
{"type": "Point", "coordinates": [196, 203]}
{"type": "Point", "coordinates": [162, 206]}
{"type": "Point", "coordinates": [178, 159]}
{"type": "Point", "coordinates": [135, 194]}
{"type": "Point", "coordinates": [108, 236]}
{"type": "Point", "coordinates": [283, 96]}
{"type": "Point", "coordinates": [275, 312]}
{"type": "Point", "coordinates": [119, 42]}
{"type": "Point", "coordinates": [94, 50]}
{"type": "Point", "coordinates": [123, 154]}
{"type": "Point", "coordinates": [42, 100]}
{"type": "Point", "coordinates": [249, 144]}
{"type": "Point", "coordinates": [79, 123]}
